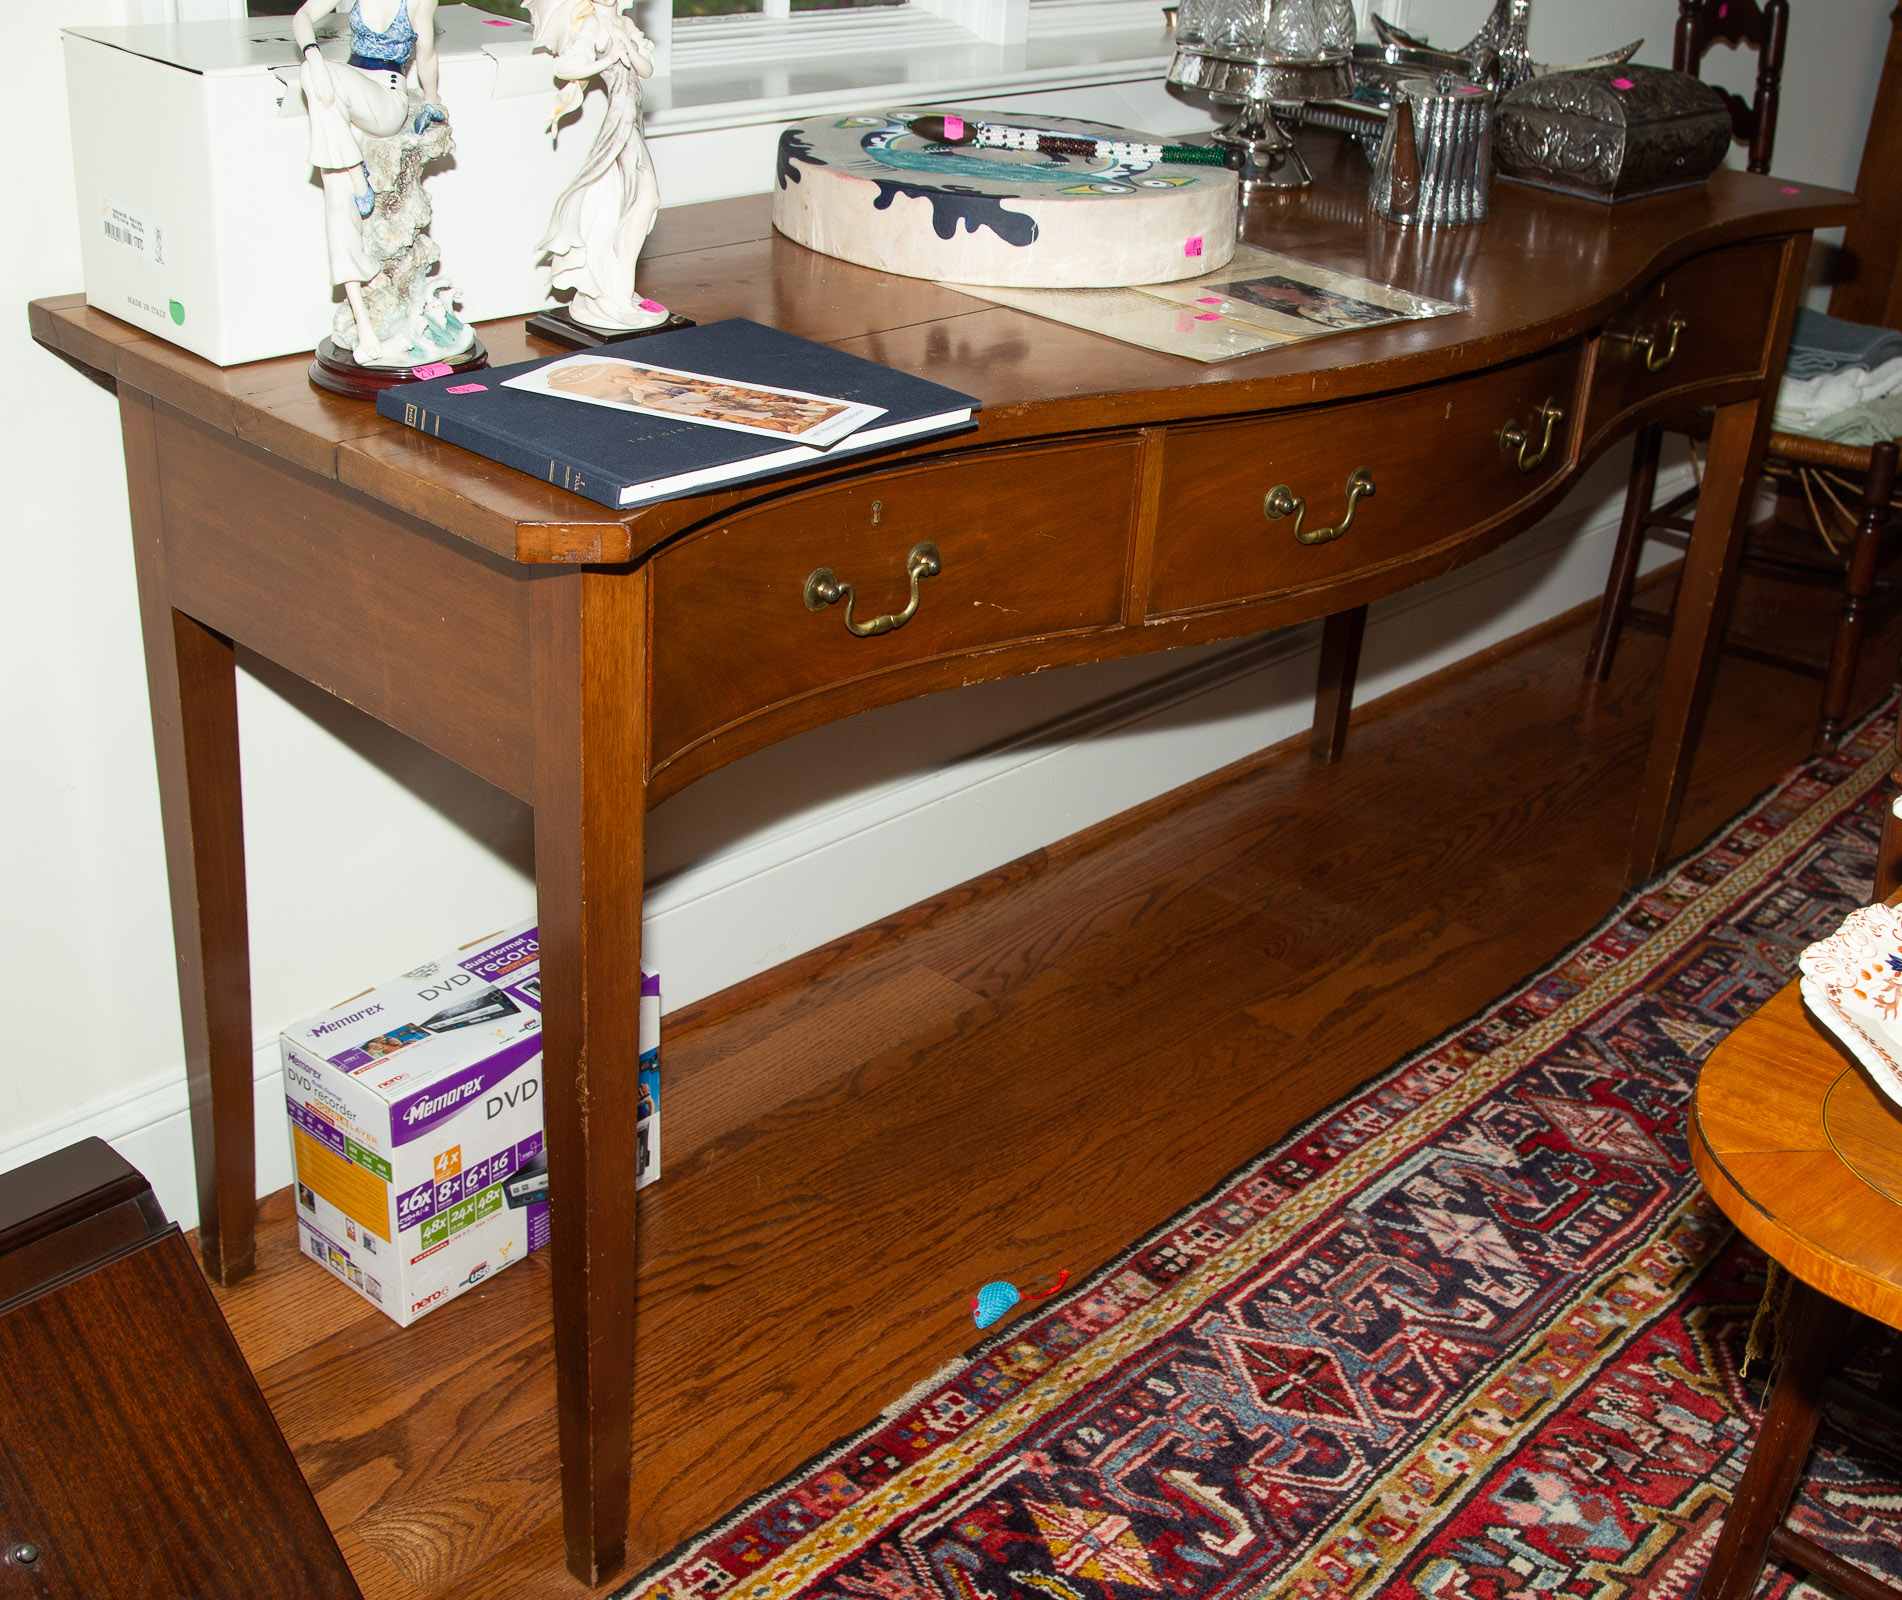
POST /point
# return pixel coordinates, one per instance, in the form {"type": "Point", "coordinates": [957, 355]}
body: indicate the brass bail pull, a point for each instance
{"type": "Point", "coordinates": [823, 589]}
{"type": "Point", "coordinates": [1646, 344]}
{"type": "Point", "coordinates": [1282, 502]}
{"type": "Point", "coordinates": [1513, 437]}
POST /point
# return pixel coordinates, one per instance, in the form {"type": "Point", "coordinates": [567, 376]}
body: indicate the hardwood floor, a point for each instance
{"type": "Point", "coordinates": [1027, 1074]}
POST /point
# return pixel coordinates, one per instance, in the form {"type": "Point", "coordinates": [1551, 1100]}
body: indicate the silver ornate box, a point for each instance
{"type": "Point", "coordinates": [1612, 132]}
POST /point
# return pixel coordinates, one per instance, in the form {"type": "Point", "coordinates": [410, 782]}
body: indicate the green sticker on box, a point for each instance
{"type": "Point", "coordinates": [464, 1214]}
{"type": "Point", "coordinates": [178, 314]}
{"type": "Point", "coordinates": [363, 1158]}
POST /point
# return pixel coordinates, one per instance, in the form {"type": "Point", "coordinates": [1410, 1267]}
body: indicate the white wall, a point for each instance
{"type": "Point", "coordinates": [369, 854]}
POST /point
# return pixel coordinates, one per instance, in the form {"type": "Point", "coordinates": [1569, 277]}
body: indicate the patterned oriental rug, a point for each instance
{"type": "Point", "coordinates": [1473, 1333]}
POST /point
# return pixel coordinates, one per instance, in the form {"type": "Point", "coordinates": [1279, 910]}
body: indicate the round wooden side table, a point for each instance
{"type": "Point", "coordinates": [1805, 1157]}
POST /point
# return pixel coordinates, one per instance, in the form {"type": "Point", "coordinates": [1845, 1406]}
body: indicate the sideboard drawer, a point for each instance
{"type": "Point", "coordinates": [1030, 543]}
{"type": "Point", "coordinates": [1438, 459]}
{"type": "Point", "coordinates": [1702, 322]}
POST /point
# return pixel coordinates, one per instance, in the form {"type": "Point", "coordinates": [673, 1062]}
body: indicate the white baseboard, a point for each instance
{"type": "Point", "coordinates": [793, 887]}
{"type": "Point", "coordinates": [151, 1128]}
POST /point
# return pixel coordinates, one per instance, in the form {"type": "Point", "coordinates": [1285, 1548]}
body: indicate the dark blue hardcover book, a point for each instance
{"type": "Point", "coordinates": [623, 458]}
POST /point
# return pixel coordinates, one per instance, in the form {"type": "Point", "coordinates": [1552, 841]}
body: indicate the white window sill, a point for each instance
{"type": "Point", "coordinates": [741, 73]}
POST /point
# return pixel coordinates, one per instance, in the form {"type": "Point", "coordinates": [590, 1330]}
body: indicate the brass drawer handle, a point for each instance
{"type": "Point", "coordinates": [1282, 502]}
{"type": "Point", "coordinates": [823, 589]}
{"type": "Point", "coordinates": [1646, 344]}
{"type": "Point", "coordinates": [1513, 437]}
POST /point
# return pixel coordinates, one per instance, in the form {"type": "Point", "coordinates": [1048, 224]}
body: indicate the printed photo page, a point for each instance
{"type": "Point", "coordinates": [761, 410]}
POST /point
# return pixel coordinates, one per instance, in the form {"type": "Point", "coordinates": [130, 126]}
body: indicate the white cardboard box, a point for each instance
{"type": "Point", "coordinates": [201, 220]}
{"type": "Point", "coordinates": [416, 1124]}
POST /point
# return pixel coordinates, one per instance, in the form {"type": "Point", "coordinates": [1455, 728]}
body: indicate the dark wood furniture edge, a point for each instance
{"type": "Point", "coordinates": [1870, 275]}
{"type": "Point", "coordinates": [93, 1278]}
{"type": "Point", "coordinates": [57, 1190]}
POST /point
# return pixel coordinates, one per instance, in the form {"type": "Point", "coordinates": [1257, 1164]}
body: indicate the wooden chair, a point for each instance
{"type": "Point", "coordinates": [1835, 507]}
{"type": "Point", "coordinates": [1704, 23]}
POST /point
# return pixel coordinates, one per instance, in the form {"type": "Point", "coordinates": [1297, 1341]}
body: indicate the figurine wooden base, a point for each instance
{"type": "Point", "coordinates": [337, 370]}
{"type": "Point", "coordinates": [558, 326]}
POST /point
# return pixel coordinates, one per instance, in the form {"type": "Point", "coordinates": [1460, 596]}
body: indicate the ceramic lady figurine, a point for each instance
{"type": "Point", "coordinates": [602, 219]}
{"type": "Point", "coordinates": [364, 116]}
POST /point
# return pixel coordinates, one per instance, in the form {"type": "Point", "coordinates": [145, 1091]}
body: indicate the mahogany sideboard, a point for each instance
{"type": "Point", "coordinates": [1108, 501]}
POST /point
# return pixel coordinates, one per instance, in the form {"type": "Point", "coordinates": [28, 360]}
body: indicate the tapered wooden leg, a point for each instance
{"type": "Point", "coordinates": [1624, 558]}
{"type": "Point", "coordinates": [1814, 1332]}
{"type": "Point", "coordinates": [1737, 437]}
{"type": "Point", "coordinates": [590, 700]}
{"type": "Point", "coordinates": [1341, 636]}
{"type": "Point", "coordinates": [1864, 556]}
{"type": "Point", "coordinates": [191, 675]}
{"type": "Point", "coordinates": [1703, 605]}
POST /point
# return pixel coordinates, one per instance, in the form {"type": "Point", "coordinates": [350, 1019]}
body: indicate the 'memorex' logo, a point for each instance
{"type": "Point", "coordinates": [439, 1103]}
{"type": "Point", "coordinates": [332, 1026]}
{"type": "Point", "coordinates": [425, 1106]}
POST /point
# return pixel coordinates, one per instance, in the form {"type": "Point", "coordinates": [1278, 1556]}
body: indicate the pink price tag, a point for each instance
{"type": "Point", "coordinates": [1209, 300]}
{"type": "Point", "coordinates": [1192, 247]}
{"type": "Point", "coordinates": [1621, 83]}
{"type": "Point", "coordinates": [467, 388]}
{"type": "Point", "coordinates": [954, 128]}
{"type": "Point", "coordinates": [1789, 188]}
{"type": "Point", "coordinates": [652, 305]}
{"type": "Point", "coordinates": [1208, 316]}
{"type": "Point", "coordinates": [436, 369]}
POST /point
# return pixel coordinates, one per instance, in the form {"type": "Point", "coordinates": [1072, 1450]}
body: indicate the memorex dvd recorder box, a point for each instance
{"type": "Point", "coordinates": [416, 1124]}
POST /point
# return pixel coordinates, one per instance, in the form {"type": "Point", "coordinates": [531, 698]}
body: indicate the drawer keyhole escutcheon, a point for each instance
{"type": "Point", "coordinates": [1646, 344]}
{"type": "Point", "coordinates": [1282, 502]}
{"type": "Point", "coordinates": [824, 589]}
{"type": "Point", "coordinates": [1513, 437]}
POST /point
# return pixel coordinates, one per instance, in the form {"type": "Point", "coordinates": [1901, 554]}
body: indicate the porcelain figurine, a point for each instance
{"type": "Point", "coordinates": [603, 217]}
{"type": "Point", "coordinates": [375, 122]}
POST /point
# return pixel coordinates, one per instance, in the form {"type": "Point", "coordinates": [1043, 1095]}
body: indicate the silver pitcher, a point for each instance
{"type": "Point", "coordinates": [1435, 163]}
